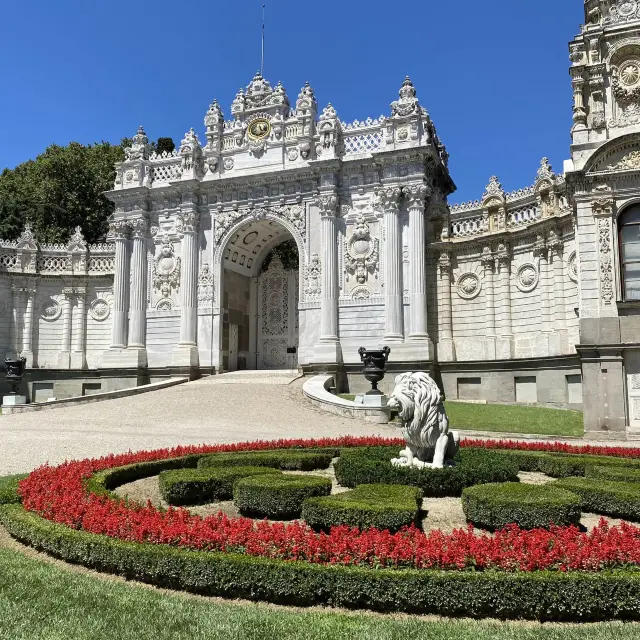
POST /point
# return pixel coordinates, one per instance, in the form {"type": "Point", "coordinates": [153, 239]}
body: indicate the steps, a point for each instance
{"type": "Point", "coordinates": [275, 377]}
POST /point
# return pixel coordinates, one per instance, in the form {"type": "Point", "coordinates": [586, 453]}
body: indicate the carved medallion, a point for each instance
{"type": "Point", "coordinates": [99, 309]}
{"type": "Point", "coordinates": [468, 286]}
{"type": "Point", "coordinates": [361, 252]}
{"type": "Point", "coordinates": [527, 277]}
{"type": "Point", "coordinates": [573, 267]}
{"type": "Point", "coordinates": [362, 292]}
{"type": "Point", "coordinates": [50, 310]}
{"type": "Point", "coordinates": [630, 73]}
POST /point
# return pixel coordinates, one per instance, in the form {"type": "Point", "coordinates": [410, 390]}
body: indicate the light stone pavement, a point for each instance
{"type": "Point", "coordinates": [201, 412]}
{"type": "Point", "coordinates": [194, 413]}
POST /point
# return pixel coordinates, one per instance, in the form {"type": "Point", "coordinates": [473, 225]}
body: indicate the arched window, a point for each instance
{"type": "Point", "coordinates": [629, 227]}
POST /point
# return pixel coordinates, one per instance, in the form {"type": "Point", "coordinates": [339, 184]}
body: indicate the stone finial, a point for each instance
{"type": "Point", "coordinates": [306, 102]}
{"type": "Point", "coordinates": [139, 150]}
{"type": "Point", "coordinates": [407, 104]}
{"type": "Point", "coordinates": [238, 104]}
{"type": "Point", "coordinates": [328, 113]}
{"type": "Point", "coordinates": [214, 115]}
{"type": "Point", "coordinates": [279, 96]}
{"type": "Point", "coordinates": [258, 92]}
{"type": "Point", "coordinates": [27, 239]}
{"type": "Point", "coordinates": [189, 143]}
{"type": "Point", "coordinates": [77, 241]}
{"type": "Point", "coordinates": [494, 188]}
{"type": "Point", "coordinates": [545, 172]}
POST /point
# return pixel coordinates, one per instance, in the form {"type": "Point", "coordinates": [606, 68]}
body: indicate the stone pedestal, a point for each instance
{"type": "Point", "coordinates": [185, 356]}
{"type": "Point", "coordinates": [329, 352]}
{"type": "Point", "coordinates": [124, 359]}
{"type": "Point", "coordinates": [378, 400]}
{"type": "Point", "coordinates": [12, 401]}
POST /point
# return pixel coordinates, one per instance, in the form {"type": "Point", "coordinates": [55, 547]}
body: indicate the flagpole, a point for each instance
{"type": "Point", "coordinates": [262, 58]}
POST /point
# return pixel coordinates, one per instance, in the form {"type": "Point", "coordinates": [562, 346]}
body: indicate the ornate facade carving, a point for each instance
{"type": "Point", "coordinates": [361, 252]}
{"type": "Point", "coordinates": [606, 266]}
{"type": "Point", "coordinates": [527, 277]}
{"type": "Point", "coordinates": [313, 275]}
{"type": "Point", "coordinates": [205, 286]}
{"type": "Point", "coordinates": [468, 286]}
{"type": "Point", "coordinates": [166, 274]}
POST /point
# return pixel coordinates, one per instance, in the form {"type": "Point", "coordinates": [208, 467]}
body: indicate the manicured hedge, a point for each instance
{"type": "Point", "coordinates": [9, 488]}
{"type": "Point", "coordinates": [617, 474]}
{"type": "Point", "coordinates": [198, 486]}
{"type": "Point", "coordinates": [494, 506]}
{"type": "Point", "coordinates": [379, 506]}
{"type": "Point", "coordinates": [285, 460]}
{"type": "Point", "coordinates": [543, 595]}
{"type": "Point", "coordinates": [372, 465]}
{"type": "Point", "coordinates": [608, 498]}
{"type": "Point", "coordinates": [277, 496]}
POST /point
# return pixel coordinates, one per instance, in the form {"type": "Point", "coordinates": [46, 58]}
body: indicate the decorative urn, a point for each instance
{"type": "Point", "coordinates": [14, 369]}
{"type": "Point", "coordinates": [375, 366]}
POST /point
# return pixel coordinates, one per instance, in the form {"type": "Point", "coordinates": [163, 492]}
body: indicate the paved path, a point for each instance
{"type": "Point", "coordinates": [194, 413]}
{"type": "Point", "coordinates": [198, 412]}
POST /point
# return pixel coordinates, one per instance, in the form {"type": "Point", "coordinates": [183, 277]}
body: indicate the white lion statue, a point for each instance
{"type": "Point", "coordinates": [425, 425]}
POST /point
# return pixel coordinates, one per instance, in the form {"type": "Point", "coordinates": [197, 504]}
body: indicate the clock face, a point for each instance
{"type": "Point", "coordinates": [259, 129]}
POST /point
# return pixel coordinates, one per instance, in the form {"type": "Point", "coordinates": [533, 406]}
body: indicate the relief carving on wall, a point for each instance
{"type": "Point", "coordinates": [50, 309]}
{"type": "Point", "coordinates": [166, 275]}
{"type": "Point", "coordinates": [313, 272]}
{"type": "Point", "coordinates": [573, 267]}
{"type": "Point", "coordinates": [205, 286]}
{"type": "Point", "coordinates": [606, 268]}
{"type": "Point", "coordinates": [361, 252]}
{"type": "Point", "coordinates": [294, 214]}
{"type": "Point", "coordinates": [99, 309]}
{"type": "Point", "coordinates": [468, 286]}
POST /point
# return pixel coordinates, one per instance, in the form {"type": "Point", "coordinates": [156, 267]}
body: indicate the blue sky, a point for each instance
{"type": "Point", "coordinates": [493, 75]}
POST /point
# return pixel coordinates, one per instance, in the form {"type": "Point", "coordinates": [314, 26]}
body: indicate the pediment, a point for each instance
{"type": "Point", "coordinates": [623, 156]}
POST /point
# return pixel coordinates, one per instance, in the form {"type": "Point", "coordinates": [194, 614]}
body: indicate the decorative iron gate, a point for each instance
{"type": "Point", "coordinates": [278, 318]}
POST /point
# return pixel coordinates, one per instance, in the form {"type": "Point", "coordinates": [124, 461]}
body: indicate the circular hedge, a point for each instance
{"type": "Point", "coordinates": [494, 506]}
{"type": "Point", "coordinates": [372, 465]}
{"type": "Point", "coordinates": [561, 573]}
{"type": "Point", "coordinates": [277, 496]}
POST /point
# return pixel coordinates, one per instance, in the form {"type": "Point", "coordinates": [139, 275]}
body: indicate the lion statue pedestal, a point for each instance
{"type": "Point", "coordinates": [425, 426]}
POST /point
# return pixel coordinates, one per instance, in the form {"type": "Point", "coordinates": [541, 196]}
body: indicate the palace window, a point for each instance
{"type": "Point", "coordinates": [629, 226]}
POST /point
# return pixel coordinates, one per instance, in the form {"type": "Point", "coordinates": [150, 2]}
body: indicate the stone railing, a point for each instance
{"type": "Point", "coordinates": [363, 136]}
{"type": "Point", "coordinates": [26, 256]}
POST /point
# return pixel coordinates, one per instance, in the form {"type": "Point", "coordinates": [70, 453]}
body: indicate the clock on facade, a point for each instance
{"type": "Point", "coordinates": [259, 129]}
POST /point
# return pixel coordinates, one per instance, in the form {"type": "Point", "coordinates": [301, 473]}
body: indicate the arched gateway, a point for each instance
{"type": "Point", "coordinates": [259, 282]}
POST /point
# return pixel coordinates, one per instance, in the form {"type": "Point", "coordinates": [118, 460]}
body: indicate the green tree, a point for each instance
{"type": "Point", "coordinates": [164, 144]}
{"type": "Point", "coordinates": [59, 190]}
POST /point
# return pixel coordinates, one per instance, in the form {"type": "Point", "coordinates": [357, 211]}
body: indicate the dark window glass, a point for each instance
{"type": "Point", "coordinates": [629, 226]}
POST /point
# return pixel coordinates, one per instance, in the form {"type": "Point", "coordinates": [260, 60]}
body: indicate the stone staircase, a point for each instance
{"type": "Point", "coordinates": [275, 377]}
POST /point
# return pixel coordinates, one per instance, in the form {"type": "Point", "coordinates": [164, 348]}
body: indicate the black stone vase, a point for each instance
{"type": "Point", "coordinates": [14, 369]}
{"type": "Point", "coordinates": [375, 366]}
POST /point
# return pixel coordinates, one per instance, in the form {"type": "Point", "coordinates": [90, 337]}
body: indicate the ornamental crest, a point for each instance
{"type": "Point", "coordinates": [166, 271]}
{"type": "Point", "coordinates": [361, 252]}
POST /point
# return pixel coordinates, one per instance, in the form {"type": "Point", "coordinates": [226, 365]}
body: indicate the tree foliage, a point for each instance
{"type": "Point", "coordinates": [59, 190]}
{"type": "Point", "coordinates": [164, 144]}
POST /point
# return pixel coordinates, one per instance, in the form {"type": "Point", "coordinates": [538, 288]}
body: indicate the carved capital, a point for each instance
{"type": "Point", "coordinates": [415, 195]}
{"type": "Point", "coordinates": [187, 222]}
{"type": "Point", "coordinates": [554, 240]}
{"type": "Point", "coordinates": [444, 264]}
{"type": "Point", "coordinates": [602, 204]}
{"type": "Point", "coordinates": [540, 248]}
{"type": "Point", "coordinates": [327, 204]}
{"type": "Point", "coordinates": [487, 258]}
{"type": "Point", "coordinates": [139, 227]}
{"type": "Point", "coordinates": [389, 198]}
{"type": "Point", "coordinates": [503, 254]}
{"type": "Point", "coordinates": [119, 229]}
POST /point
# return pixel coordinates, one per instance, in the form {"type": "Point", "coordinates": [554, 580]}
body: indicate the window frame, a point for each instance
{"type": "Point", "coordinates": [621, 260]}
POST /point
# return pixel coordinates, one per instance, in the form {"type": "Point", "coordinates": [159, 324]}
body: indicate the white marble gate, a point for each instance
{"type": "Point", "coordinates": [278, 318]}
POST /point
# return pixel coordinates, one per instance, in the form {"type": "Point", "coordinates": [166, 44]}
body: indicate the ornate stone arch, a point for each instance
{"type": "Point", "coordinates": [224, 240]}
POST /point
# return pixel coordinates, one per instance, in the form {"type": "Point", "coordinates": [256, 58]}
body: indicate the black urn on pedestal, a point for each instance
{"type": "Point", "coordinates": [14, 368]}
{"type": "Point", "coordinates": [375, 366]}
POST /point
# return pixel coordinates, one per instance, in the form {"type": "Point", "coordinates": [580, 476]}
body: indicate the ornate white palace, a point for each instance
{"type": "Point", "coordinates": [530, 296]}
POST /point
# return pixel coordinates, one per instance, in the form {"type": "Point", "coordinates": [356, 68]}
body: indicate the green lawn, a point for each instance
{"type": "Point", "coordinates": [514, 419]}
{"type": "Point", "coordinates": [40, 601]}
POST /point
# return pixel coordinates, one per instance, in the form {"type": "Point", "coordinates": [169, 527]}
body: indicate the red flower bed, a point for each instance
{"type": "Point", "coordinates": [58, 494]}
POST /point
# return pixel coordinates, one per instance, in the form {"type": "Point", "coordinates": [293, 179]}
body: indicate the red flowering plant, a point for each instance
{"type": "Point", "coordinates": [59, 494]}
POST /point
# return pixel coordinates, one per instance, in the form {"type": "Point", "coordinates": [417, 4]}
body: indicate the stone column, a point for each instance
{"type": "Point", "coordinates": [541, 251]}
{"type": "Point", "coordinates": [253, 323]}
{"type": "Point", "coordinates": [488, 264]}
{"type": "Point", "coordinates": [64, 357]}
{"type": "Point", "coordinates": [78, 356]}
{"type": "Point", "coordinates": [328, 350]}
{"type": "Point", "coordinates": [12, 347]}
{"type": "Point", "coordinates": [138, 300]}
{"type": "Point", "coordinates": [415, 195]}
{"type": "Point", "coordinates": [505, 343]}
{"type": "Point", "coordinates": [446, 347]}
{"type": "Point", "coordinates": [559, 312]}
{"type": "Point", "coordinates": [186, 353]}
{"type": "Point", "coordinates": [27, 329]}
{"type": "Point", "coordinates": [120, 233]}
{"type": "Point", "coordinates": [392, 267]}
